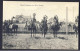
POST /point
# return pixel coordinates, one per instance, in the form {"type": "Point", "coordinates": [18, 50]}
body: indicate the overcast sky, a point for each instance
{"type": "Point", "coordinates": [26, 8]}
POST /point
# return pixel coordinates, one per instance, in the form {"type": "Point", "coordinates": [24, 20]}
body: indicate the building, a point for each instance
{"type": "Point", "coordinates": [22, 18]}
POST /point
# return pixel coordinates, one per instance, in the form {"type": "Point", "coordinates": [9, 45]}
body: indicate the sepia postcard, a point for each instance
{"type": "Point", "coordinates": [40, 25]}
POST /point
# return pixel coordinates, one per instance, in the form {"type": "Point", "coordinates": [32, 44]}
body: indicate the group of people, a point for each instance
{"type": "Point", "coordinates": [10, 25]}
{"type": "Point", "coordinates": [43, 26]}
{"type": "Point", "coordinates": [6, 24]}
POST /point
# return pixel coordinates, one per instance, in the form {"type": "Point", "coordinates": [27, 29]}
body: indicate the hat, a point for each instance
{"type": "Point", "coordinates": [45, 16]}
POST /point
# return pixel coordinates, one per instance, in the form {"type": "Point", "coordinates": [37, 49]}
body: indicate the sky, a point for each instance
{"type": "Point", "coordinates": [27, 8]}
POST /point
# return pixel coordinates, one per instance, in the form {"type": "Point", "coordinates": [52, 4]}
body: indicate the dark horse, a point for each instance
{"type": "Point", "coordinates": [44, 26]}
{"type": "Point", "coordinates": [75, 28]}
{"type": "Point", "coordinates": [56, 26]}
{"type": "Point", "coordinates": [15, 28]}
{"type": "Point", "coordinates": [32, 27]}
{"type": "Point", "coordinates": [10, 27]}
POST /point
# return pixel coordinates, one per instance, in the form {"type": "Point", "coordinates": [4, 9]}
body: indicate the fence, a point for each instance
{"type": "Point", "coordinates": [21, 29]}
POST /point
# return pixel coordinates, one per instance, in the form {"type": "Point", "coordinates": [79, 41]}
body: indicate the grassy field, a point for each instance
{"type": "Point", "coordinates": [24, 41]}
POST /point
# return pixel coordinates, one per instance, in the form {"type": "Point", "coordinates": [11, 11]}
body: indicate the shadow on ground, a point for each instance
{"type": "Point", "coordinates": [62, 38]}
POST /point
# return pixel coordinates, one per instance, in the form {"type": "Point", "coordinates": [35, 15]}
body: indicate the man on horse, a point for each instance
{"type": "Point", "coordinates": [55, 25]}
{"type": "Point", "coordinates": [75, 26]}
{"type": "Point", "coordinates": [44, 25]}
{"type": "Point", "coordinates": [33, 26]}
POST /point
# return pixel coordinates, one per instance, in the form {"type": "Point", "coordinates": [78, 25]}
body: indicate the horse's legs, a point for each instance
{"type": "Point", "coordinates": [44, 33]}
{"type": "Point", "coordinates": [76, 33]}
{"type": "Point", "coordinates": [10, 31]}
{"type": "Point", "coordinates": [16, 31]}
{"type": "Point", "coordinates": [56, 33]}
{"type": "Point", "coordinates": [53, 33]}
{"type": "Point", "coordinates": [7, 31]}
{"type": "Point", "coordinates": [34, 32]}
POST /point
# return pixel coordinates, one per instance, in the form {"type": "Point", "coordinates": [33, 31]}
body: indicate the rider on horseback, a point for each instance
{"type": "Point", "coordinates": [44, 25]}
{"type": "Point", "coordinates": [33, 26]}
{"type": "Point", "coordinates": [75, 26]}
{"type": "Point", "coordinates": [55, 26]}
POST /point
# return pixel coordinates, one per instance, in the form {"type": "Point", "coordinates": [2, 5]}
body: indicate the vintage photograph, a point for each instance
{"type": "Point", "coordinates": [40, 25]}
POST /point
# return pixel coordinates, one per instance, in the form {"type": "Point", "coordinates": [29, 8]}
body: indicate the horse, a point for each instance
{"type": "Point", "coordinates": [44, 27]}
{"type": "Point", "coordinates": [32, 28]}
{"type": "Point", "coordinates": [11, 28]}
{"type": "Point", "coordinates": [15, 28]}
{"type": "Point", "coordinates": [75, 28]}
{"type": "Point", "coordinates": [55, 26]}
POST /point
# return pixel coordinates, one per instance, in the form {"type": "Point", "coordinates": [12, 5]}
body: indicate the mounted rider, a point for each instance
{"type": "Point", "coordinates": [33, 26]}
{"type": "Point", "coordinates": [44, 21]}
{"type": "Point", "coordinates": [75, 26]}
{"type": "Point", "coordinates": [44, 25]}
{"type": "Point", "coordinates": [33, 21]}
{"type": "Point", "coordinates": [55, 25]}
{"type": "Point", "coordinates": [55, 20]}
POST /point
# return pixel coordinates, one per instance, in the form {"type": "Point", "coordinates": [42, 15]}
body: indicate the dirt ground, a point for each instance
{"type": "Point", "coordinates": [24, 41]}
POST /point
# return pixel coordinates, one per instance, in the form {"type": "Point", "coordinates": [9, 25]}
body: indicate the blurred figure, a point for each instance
{"type": "Point", "coordinates": [75, 26]}
{"type": "Point", "coordinates": [55, 26]}
{"type": "Point", "coordinates": [26, 26]}
{"type": "Point", "coordinates": [33, 26]}
{"type": "Point", "coordinates": [44, 25]}
{"type": "Point", "coordinates": [4, 25]}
